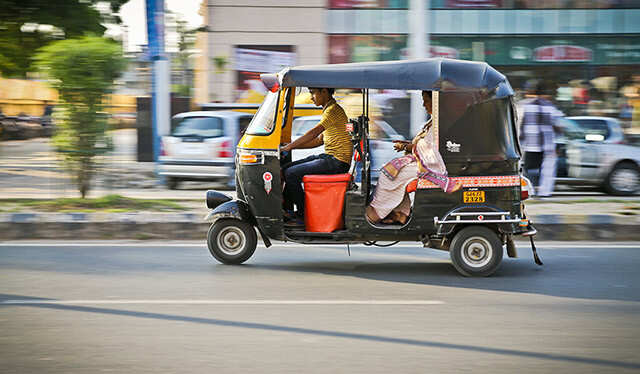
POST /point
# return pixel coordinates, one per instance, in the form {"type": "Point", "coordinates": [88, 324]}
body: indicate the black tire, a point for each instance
{"type": "Point", "coordinates": [172, 183]}
{"type": "Point", "coordinates": [476, 251]}
{"type": "Point", "coordinates": [232, 241]}
{"type": "Point", "coordinates": [623, 180]}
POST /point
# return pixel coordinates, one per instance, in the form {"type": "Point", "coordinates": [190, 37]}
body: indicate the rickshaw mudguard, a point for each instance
{"type": "Point", "coordinates": [505, 222]}
{"type": "Point", "coordinates": [236, 209]}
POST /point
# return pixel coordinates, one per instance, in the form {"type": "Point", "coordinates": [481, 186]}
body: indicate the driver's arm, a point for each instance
{"type": "Point", "coordinates": [310, 139]}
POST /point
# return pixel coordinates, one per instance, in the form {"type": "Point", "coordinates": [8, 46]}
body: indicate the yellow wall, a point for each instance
{"type": "Point", "coordinates": [30, 97]}
{"type": "Point", "coordinates": [24, 96]}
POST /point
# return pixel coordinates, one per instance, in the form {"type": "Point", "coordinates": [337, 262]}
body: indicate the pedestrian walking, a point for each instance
{"type": "Point", "coordinates": [537, 137]}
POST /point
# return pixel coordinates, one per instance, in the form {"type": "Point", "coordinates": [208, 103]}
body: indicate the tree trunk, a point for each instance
{"type": "Point", "coordinates": [85, 172]}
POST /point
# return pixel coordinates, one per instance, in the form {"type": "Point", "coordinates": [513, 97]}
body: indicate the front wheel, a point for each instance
{"type": "Point", "coordinates": [624, 179]}
{"type": "Point", "coordinates": [476, 251]}
{"type": "Point", "coordinates": [232, 241]}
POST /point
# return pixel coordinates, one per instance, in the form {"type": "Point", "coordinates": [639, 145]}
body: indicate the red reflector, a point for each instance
{"type": "Point", "coordinates": [349, 127]}
{"type": "Point", "coordinates": [162, 152]}
{"type": "Point", "coordinates": [225, 150]}
{"type": "Point", "coordinates": [524, 194]}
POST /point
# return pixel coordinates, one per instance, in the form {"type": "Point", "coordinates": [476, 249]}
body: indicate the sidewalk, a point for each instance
{"type": "Point", "coordinates": [554, 221]}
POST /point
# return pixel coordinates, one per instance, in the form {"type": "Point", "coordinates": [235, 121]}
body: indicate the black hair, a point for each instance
{"type": "Point", "coordinates": [331, 90]}
{"type": "Point", "coordinates": [428, 93]}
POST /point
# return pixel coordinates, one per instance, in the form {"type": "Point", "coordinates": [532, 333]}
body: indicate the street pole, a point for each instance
{"type": "Point", "coordinates": [419, 45]}
{"type": "Point", "coordinates": [161, 76]}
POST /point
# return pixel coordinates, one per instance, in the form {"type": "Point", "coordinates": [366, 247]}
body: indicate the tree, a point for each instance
{"type": "Point", "coordinates": [185, 43]}
{"type": "Point", "coordinates": [27, 25]}
{"type": "Point", "coordinates": [83, 71]}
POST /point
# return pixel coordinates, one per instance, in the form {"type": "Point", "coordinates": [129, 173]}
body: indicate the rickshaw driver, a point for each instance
{"type": "Point", "coordinates": [331, 132]}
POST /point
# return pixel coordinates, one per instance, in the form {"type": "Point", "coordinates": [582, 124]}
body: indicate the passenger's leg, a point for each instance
{"type": "Point", "coordinates": [400, 214]}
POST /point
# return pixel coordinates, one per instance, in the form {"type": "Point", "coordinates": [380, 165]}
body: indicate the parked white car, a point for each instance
{"type": "Point", "coordinates": [202, 146]}
{"type": "Point", "coordinates": [596, 154]}
{"type": "Point", "coordinates": [381, 136]}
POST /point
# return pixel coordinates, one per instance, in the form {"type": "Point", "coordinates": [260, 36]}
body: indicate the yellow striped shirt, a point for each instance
{"type": "Point", "coordinates": [337, 141]}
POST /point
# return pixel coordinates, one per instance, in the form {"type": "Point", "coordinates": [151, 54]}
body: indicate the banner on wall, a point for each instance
{"type": "Point", "coordinates": [253, 60]}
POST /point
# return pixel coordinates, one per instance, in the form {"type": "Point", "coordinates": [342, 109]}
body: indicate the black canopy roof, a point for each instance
{"type": "Point", "coordinates": [438, 74]}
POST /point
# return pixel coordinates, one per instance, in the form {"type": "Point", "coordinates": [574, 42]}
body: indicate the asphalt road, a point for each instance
{"type": "Point", "coordinates": [162, 307]}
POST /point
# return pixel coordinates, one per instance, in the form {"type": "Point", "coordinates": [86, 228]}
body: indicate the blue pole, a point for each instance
{"type": "Point", "coordinates": [159, 81]}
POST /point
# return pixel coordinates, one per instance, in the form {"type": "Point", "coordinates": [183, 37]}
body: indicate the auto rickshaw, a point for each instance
{"type": "Point", "coordinates": [475, 124]}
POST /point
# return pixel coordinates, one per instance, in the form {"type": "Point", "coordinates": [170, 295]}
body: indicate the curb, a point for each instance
{"type": "Point", "coordinates": [191, 226]}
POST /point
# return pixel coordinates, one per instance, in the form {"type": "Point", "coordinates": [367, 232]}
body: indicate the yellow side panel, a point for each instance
{"type": "Point", "coordinates": [286, 130]}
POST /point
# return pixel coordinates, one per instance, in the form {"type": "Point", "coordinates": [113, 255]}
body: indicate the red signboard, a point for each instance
{"type": "Point", "coordinates": [474, 3]}
{"type": "Point", "coordinates": [562, 53]}
{"type": "Point", "coordinates": [442, 51]}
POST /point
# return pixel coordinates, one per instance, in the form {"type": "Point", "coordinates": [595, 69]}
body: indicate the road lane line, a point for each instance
{"type": "Point", "coordinates": [225, 302]}
{"type": "Point", "coordinates": [203, 244]}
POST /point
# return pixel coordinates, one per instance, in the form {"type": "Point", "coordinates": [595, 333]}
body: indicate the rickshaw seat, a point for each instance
{"type": "Point", "coordinates": [412, 186]}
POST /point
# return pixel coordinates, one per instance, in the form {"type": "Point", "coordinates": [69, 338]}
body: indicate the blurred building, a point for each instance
{"type": "Point", "coordinates": [249, 37]}
{"type": "Point", "coordinates": [589, 48]}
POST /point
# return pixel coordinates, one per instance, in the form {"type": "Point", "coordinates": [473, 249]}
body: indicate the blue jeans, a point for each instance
{"type": "Point", "coordinates": [295, 171]}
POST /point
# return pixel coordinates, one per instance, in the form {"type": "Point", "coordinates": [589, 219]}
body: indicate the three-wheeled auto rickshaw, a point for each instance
{"type": "Point", "coordinates": [474, 123]}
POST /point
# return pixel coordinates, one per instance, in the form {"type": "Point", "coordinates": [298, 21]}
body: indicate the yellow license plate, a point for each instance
{"type": "Point", "coordinates": [471, 197]}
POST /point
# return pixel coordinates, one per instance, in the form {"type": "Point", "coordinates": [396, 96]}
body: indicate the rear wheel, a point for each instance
{"type": "Point", "coordinates": [232, 241]}
{"type": "Point", "coordinates": [624, 179]}
{"type": "Point", "coordinates": [476, 251]}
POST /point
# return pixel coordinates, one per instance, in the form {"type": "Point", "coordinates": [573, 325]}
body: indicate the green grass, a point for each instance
{"type": "Point", "coordinates": [109, 203]}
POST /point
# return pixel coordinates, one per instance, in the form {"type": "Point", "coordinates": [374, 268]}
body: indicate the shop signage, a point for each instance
{"type": "Point", "coordinates": [442, 51]}
{"type": "Point", "coordinates": [508, 50]}
{"type": "Point", "coordinates": [545, 50]}
{"type": "Point", "coordinates": [474, 3]}
{"type": "Point", "coordinates": [562, 53]}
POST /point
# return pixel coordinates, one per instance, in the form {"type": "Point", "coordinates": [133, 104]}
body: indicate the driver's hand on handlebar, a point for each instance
{"type": "Point", "coordinates": [285, 147]}
{"type": "Point", "coordinates": [400, 145]}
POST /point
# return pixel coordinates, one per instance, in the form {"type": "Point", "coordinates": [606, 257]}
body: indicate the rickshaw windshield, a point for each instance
{"type": "Point", "coordinates": [263, 122]}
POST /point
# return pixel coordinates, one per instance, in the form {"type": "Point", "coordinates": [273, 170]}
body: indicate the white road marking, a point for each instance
{"type": "Point", "coordinates": [191, 244]}
{"type": "Point", "coordinates": [225, 302]}
{"type": "Point", "coordinates": [203, 244]}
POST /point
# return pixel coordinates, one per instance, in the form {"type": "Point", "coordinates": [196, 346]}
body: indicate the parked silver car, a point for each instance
{"type": "Point", "coordinates": [596, 154]}
{"type": "Point", "coordinates": [202, 146]}
{"type": "Point", "coordinates": [381, 136]}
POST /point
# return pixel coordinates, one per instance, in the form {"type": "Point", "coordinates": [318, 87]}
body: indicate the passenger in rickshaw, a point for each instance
{"type": "Point", "coordinates": [331, 132]}
{"type": "Point", "coordinates": [391, 203]}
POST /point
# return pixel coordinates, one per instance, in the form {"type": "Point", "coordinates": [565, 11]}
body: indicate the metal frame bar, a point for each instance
{"type": "Point", "coordinates": [458, 217]}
